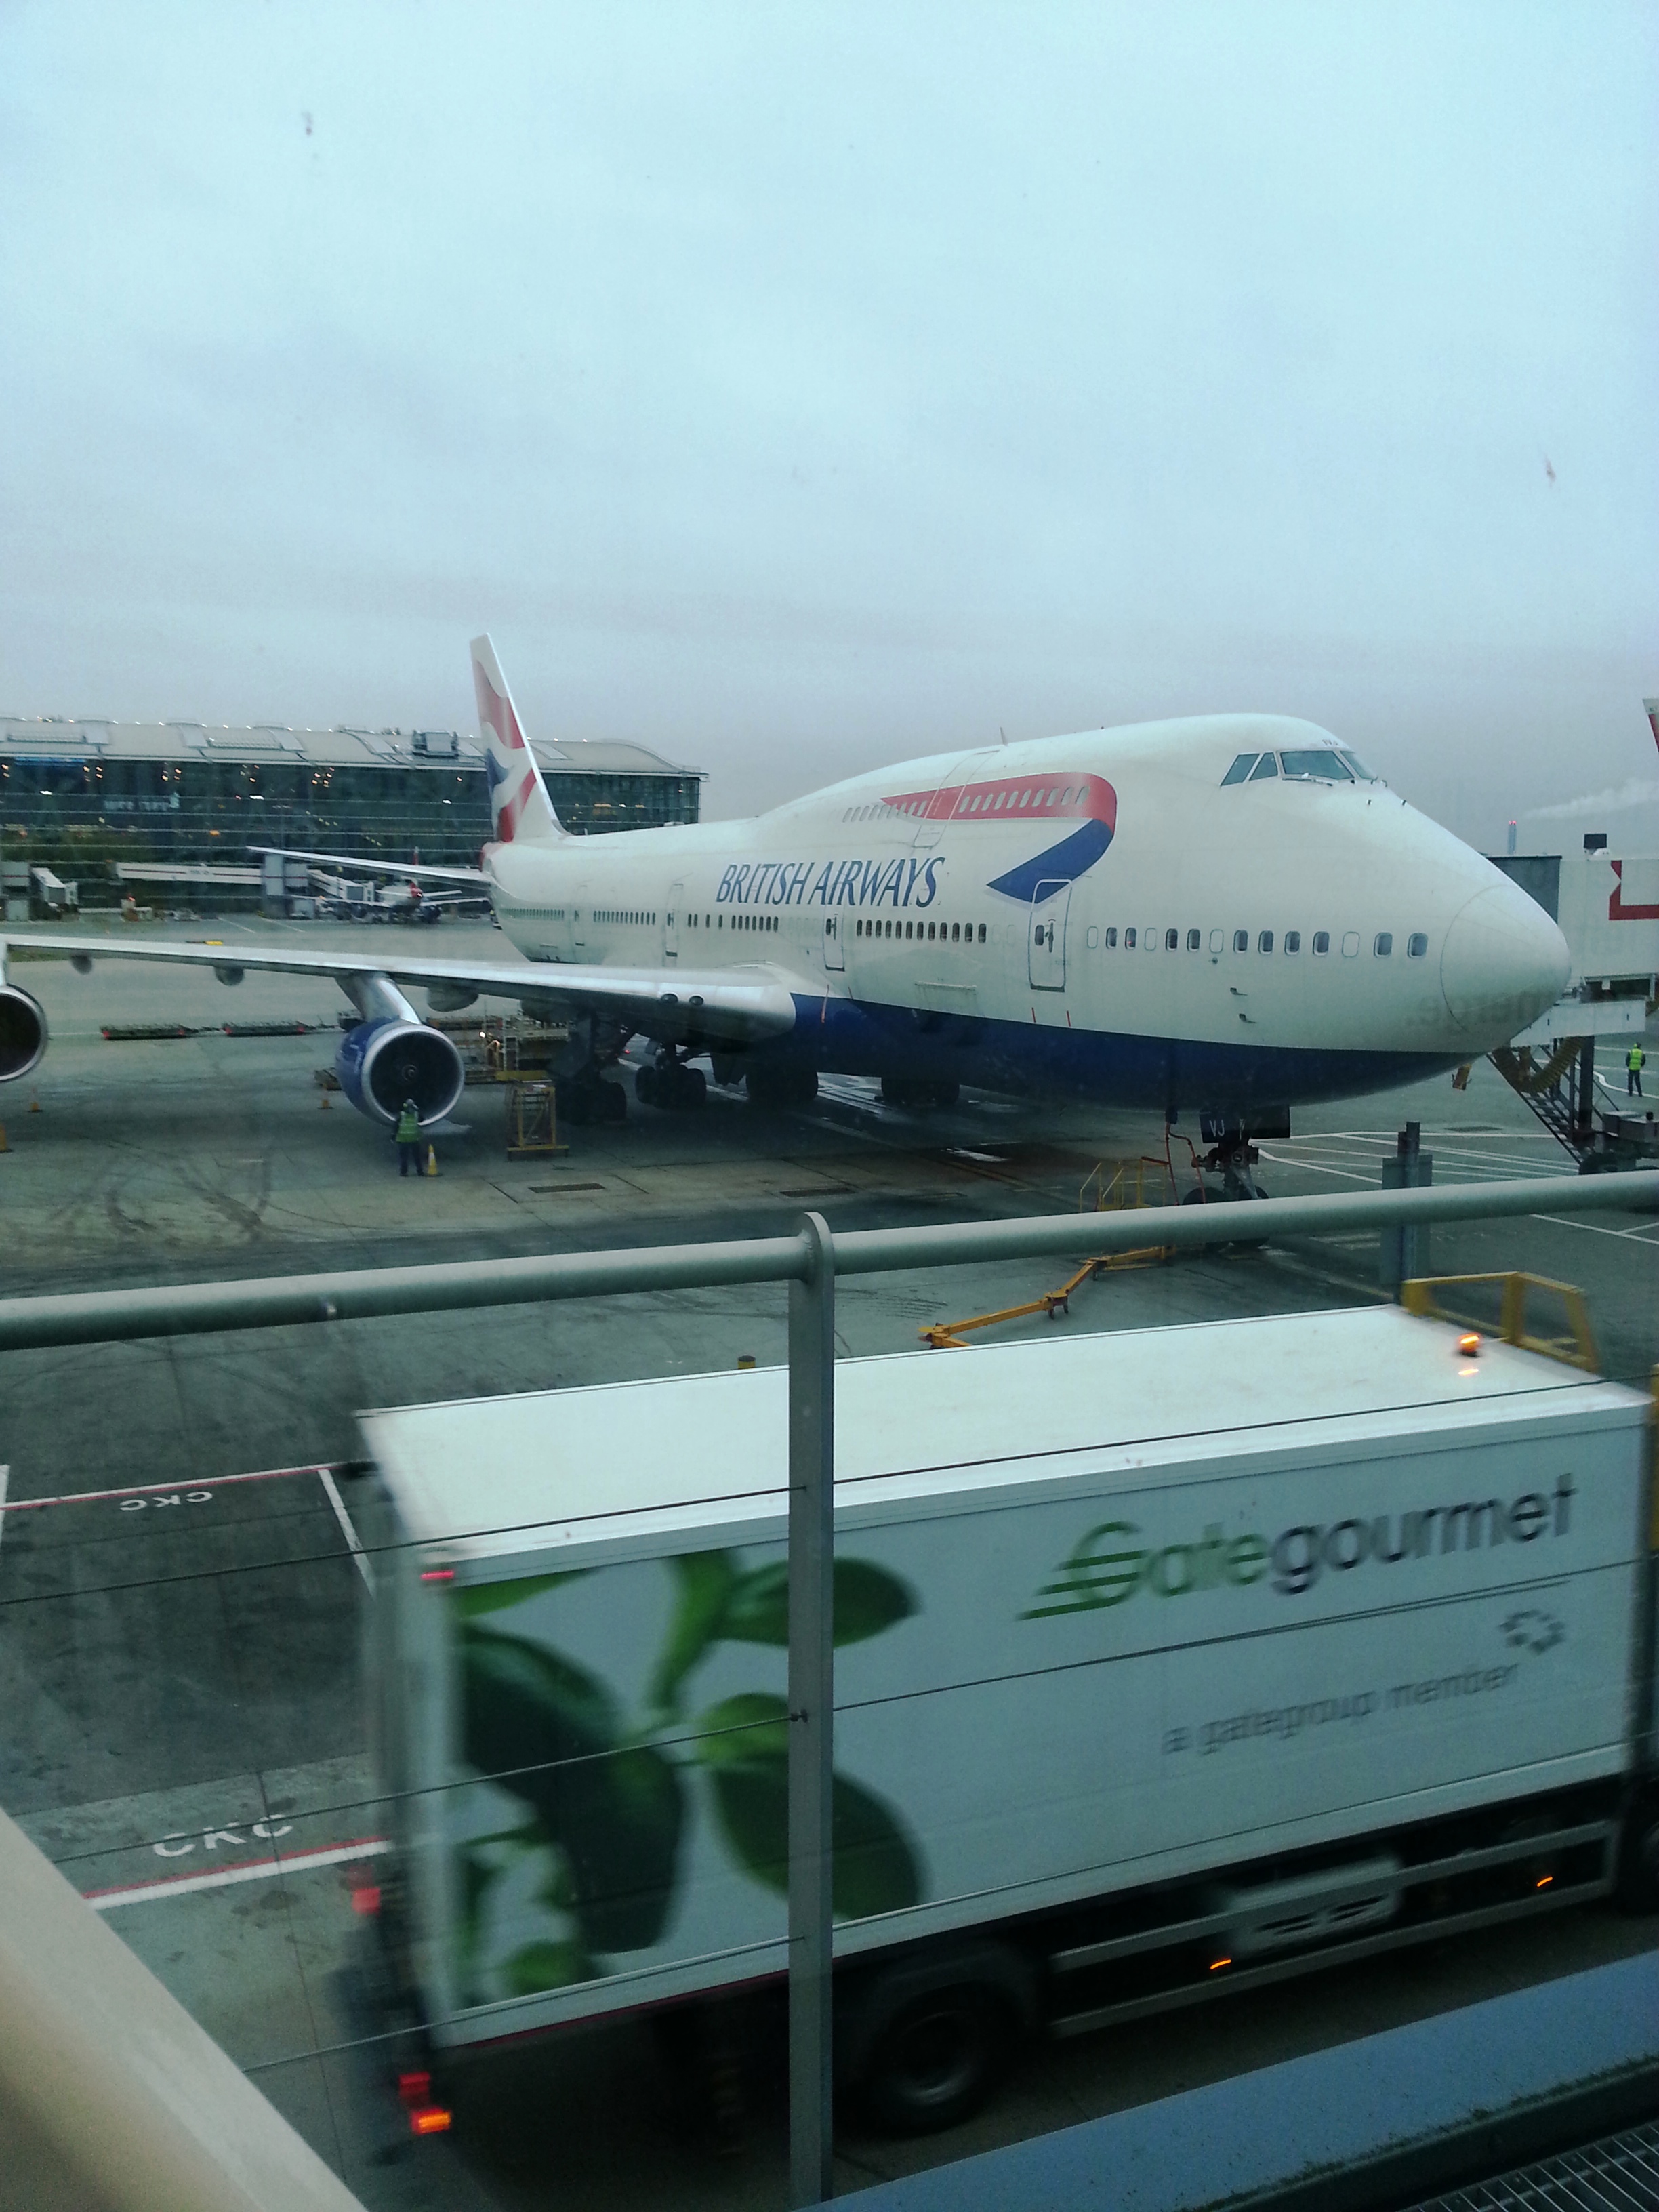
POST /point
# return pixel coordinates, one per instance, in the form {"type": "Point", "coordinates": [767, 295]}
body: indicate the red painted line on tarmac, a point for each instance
{"type": "Point", "coordinates": [221, 1877]}
{"type": "Point", "coordinates": [142, 1489]}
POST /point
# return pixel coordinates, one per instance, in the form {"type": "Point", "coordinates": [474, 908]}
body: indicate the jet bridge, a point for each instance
{"type": "Point", "coordinates": [1608, 909]}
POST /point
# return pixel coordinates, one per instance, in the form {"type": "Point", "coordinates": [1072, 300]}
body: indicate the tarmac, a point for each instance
{"type": "Point", "coordinates": [179, 1669]}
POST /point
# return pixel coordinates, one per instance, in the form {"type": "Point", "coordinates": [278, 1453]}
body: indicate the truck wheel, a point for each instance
{"type": "Point", "coordinates": [938, 2058]}
{"type": "Point", "coordinates": [1638, 1856]}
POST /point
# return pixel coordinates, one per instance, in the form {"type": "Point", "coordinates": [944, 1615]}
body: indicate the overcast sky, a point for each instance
{"type": "Point", "coordinates": [794, 389]}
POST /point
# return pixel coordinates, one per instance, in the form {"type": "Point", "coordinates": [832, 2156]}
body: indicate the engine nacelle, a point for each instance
{"type": "Point", "coordinates": [381, 1063]}
{"type": "Point", "coordinates": [22, 1033]}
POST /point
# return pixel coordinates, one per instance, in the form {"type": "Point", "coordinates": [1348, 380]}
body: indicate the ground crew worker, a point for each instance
{"type": "Point", "coordinates": [1635, 1059]}
{"type": "Point", "coordinates": [409, 1138]}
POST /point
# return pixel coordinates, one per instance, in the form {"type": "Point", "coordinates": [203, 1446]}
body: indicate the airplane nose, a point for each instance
{"type": "Point", "coordinates": [1502, 963]}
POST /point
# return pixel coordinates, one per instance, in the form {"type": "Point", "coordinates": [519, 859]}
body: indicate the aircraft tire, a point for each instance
{"type": "Point", "coordinates": [644, 1083]}
{"type": "Point", "coordinates": [613, 1103]}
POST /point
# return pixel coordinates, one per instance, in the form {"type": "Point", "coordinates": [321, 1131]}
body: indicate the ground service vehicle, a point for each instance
{"type": "Point", "coordinates": [1167, 1661]}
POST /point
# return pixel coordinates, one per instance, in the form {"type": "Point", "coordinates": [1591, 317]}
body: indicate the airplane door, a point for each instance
{"type": "Point", "coordinates": [579, 921]}
{"type": "Point", "coordinates": [671, 932]}
{"type": "Point", "coordinates": [1045, 939]}
{"type": "Point", "coordinates": [833, 955]}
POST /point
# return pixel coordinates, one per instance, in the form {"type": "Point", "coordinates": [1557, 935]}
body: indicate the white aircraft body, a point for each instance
{"type": "Point", "coordinates": [1213, 919]}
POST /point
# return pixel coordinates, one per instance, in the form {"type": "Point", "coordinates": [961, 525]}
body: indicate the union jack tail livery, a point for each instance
{"type": "Point", "coordinates": [518, 798]}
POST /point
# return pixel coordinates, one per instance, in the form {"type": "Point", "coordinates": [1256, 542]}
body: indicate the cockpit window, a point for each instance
{"type": "Point", "coordinates": [1239, 768]}
{"type": "Point", "coordinates": [1326, 766]}
{"type": "Point", "coordinates": [1265, 767]}
{"type": "Point", "coordinates": [1359, 766]}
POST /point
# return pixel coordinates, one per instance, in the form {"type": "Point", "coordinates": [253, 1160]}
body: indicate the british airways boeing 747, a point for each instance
{"type": "Point", "coordinates": [1212, 919]}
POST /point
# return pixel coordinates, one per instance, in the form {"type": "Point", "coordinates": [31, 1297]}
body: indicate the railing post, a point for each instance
{"type": "Point", "coordinates": [811, 1707]}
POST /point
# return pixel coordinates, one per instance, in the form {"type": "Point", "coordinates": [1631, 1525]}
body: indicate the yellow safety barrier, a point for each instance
{"type": "Point", "coordinates": [1123, 1191]}
{"type": "Point", "coordinates": [1577, 1348]}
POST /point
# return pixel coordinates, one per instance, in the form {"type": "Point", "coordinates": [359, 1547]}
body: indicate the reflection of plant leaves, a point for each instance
{"type": "Point", "coordinates": [543, 1966]}
{"type": "Point", "coordinates": [705, 1579]}
{"type": "Point", "coordinates": [867, 1600]}
{"type": "Point", "coordinates": [744, 1747]}
{"type": "Point", "coordinates": [481, 1869]}
{"type": "Point", "coordinates": [616, 1813]}
{"type": "Point", "coordinates": [475, 1598]}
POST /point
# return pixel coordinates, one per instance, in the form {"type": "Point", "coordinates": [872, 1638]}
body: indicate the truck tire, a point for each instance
{"type": "Point", "coordinates": [929, 2038]}
{"type": "Point", "coordinates": [1639, 1855]}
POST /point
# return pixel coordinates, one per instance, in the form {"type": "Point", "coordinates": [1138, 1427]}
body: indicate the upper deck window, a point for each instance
{"type": "Point", "coordinates": [1325, 766]}
{"type": "Point", "coordinates": [1239, 768]}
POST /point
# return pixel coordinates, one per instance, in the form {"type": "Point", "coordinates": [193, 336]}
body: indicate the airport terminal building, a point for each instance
{"type": "Point", "coordinates": [83, 796]}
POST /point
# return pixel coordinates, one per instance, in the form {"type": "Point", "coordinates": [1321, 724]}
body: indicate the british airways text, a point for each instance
{"type": "Point", "coordinates": [903, 883]}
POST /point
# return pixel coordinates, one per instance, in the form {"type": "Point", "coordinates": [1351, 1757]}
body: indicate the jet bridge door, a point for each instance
{"type": "Point", "coordinates": [1046, 937]}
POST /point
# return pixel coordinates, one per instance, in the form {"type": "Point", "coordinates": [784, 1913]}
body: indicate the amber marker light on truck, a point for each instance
{"type": "Point", "coordinates": [1469, 1345]}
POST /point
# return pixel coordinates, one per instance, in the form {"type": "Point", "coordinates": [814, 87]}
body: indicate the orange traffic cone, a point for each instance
{"type": "Point", "coordinates": [5, 1146]}
{"type": "Point", "coordinates": [34, 1101]}
{"type": "Point", "coordinates": [324, 1106]}
{"type": "Point", "coordinates": [432, 1159]}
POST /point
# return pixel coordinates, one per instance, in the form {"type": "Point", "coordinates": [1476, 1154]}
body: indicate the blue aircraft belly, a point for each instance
{"type": "Point", "coordinates": [845, 1036]}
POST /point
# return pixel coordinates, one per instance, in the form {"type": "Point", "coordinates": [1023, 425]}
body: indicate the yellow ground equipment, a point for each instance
{"type": "Point", "coordinates": [1499, 1303]}
{"type": "Point", "coordinates": [1107, 1188]}
{"type": "Point", "coordinates": [532, 1129]}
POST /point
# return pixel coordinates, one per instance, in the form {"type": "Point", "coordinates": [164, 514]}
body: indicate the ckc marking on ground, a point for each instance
{"type": "Point", "coordinates": [133, 1495]}
{"type": "Point", "coordinates": [222, 1877]}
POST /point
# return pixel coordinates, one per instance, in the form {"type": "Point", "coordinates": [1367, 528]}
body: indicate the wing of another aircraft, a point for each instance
{"type": "Point", "coordinates": [733, 1004]}
{"type": "Point", "coordinates": [411, 868]}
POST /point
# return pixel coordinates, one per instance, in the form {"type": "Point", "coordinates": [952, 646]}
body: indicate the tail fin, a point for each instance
{"type": "Point", "coordinates": [518, 802]}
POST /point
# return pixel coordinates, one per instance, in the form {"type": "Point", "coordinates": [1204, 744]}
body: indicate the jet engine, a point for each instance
{"type": "Point", "coordinates": [392, 1055]}
{"type": "Point", "coordinates": [22, 1033]}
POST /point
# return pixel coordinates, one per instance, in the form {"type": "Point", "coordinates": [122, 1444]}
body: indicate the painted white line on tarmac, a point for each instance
{"type": "Point", "coordinates": [331, 1492]}
{"type": "Point", "coordinates": [143, 1489]}
{"type": "Point", "coordinates": [1648, 1234]}
{"type": "Point", "coordinates": [5, 1472]}
{"type": "Point", "coordinates": [184, 1885]}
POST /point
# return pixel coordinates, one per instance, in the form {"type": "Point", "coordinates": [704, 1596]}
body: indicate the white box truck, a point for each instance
{"type": "Point", "coordinates": [1166, 1661]}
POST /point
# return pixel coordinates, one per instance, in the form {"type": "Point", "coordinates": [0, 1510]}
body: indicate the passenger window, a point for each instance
{"type": "Point", "coordinates": [1384, 945]}
{"type": "Point", "coordinates": [1241, 940]}
{"type": "Point", "coordinates": [982, 933]}
{"type": "Point", "coordinates": [1149, 940]}
{"type": "Point", "coordinates": [1111, 940]}
{"type": "Point", "coordinates": [1265, 942]}
{"type": "Point", "coordinates": [1215, 940]}
{"type": "Point", "coordinates": [1193, 940]}
{"type": "Point", "coordinates": [1265, 767]}
{"type": "Point", "coordinates": [1321, 941]}
{"type": "Point", "coordinates": [1350, 944]}
{"type": "Point", "coordinates": [1128, 940]}
{"type": "Point", "coordinates": [1293, 940]}
{"type": "Point", "coordinates": [1416, 945]}
{"type": "Point", "coordinates": [1239, 768]}
{"type": "Point", "coordinates": [956, 933]}
{"type": "Point", "coordinates": [1093, 940]}
{"type": "Point", "coordinates": [1172, 940]}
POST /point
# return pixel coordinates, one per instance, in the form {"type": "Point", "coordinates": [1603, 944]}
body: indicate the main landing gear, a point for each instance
{"type": "Point", "coordinates": [670, 1082]}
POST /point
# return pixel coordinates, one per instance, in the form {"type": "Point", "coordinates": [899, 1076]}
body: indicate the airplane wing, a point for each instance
{"type": "Point", "coordinates": [411, 868]}
{"type": "Point", "coordinates": [736, 1005]}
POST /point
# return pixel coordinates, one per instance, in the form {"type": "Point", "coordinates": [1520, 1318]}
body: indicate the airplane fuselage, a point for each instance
{"type": "Point", "coordinates": [1103, 915]}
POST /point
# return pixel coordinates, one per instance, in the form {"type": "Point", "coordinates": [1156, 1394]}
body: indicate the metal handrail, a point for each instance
{"type": "Point", "coordinates": [283, 1301]}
